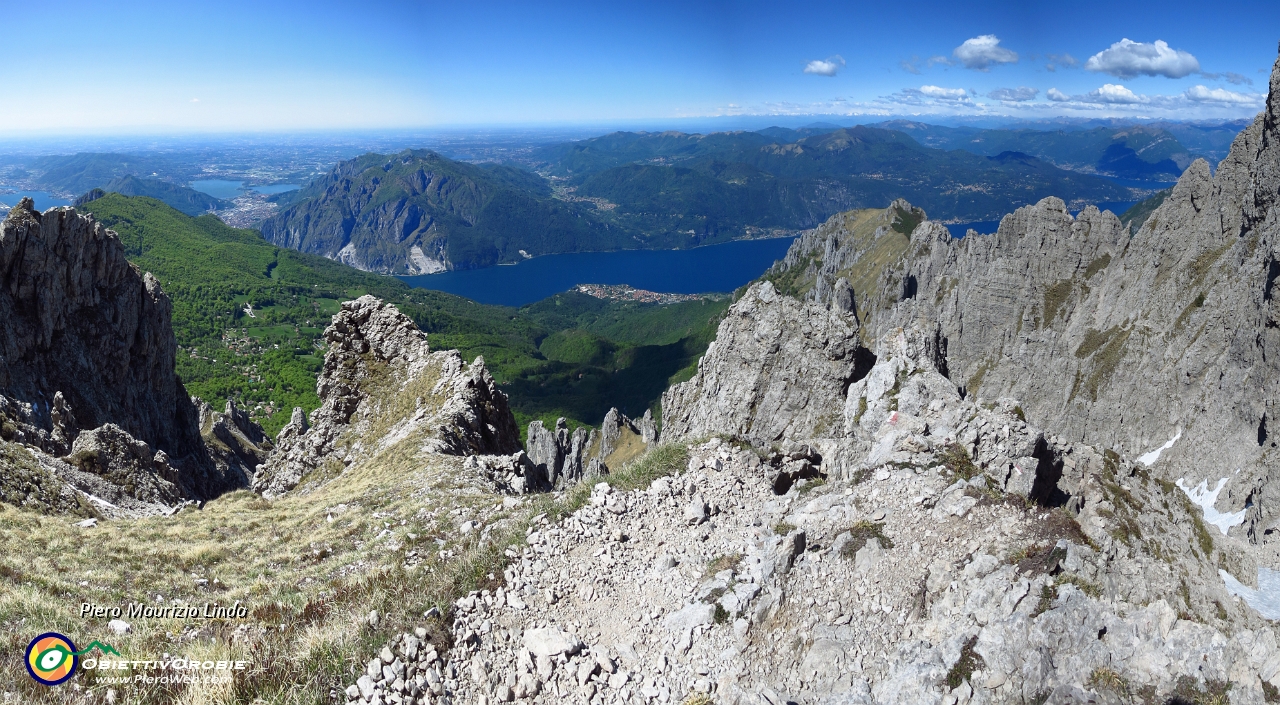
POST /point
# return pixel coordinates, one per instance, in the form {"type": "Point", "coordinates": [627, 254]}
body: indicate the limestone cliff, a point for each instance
{"type": "Point", "coordinates": [87, 372]}
{"type": "Point", "coordinates": [779, 368]}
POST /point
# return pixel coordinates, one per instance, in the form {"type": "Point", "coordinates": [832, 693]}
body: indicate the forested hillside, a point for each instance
{"type": "Point", "coordinates": [727, 185]}
{"type": "Point", "coordinates": [249, 318]}
{"type": "Point", "coordinates": [417, 212]}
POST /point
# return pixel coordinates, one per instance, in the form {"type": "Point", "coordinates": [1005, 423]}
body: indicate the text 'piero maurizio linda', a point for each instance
{"type": "Point", "coordinates": [138, 610]}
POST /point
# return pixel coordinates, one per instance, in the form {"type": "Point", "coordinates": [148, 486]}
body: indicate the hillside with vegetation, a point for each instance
{"type": "Point", "coordinates": [729, 185]}
{"type": "Point", "coordinates": [1141, 152]}
{"type": "Point", "coordinates": [78, 173]}
{"type": "Point", "coordinates": [249, 318]}
{"type": "Point", "coordinates": [418, 212]}
{"type": "Point", "coordinates": [182, 198]}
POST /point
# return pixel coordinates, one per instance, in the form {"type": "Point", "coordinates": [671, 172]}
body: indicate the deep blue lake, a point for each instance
{"type": "Point", "coordinates": [701, 269]}
{"type": "Point", "coordinates": [43, 199]}
{"type": "Point", "coordinates": [221, 188]}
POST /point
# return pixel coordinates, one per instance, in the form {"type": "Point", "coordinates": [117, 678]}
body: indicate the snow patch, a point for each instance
{"type": "Point", "coordinates": [1266, 599]}
{"type": "Point", "coordinates": [98, 500]}
{"type": "Point", "coordinates": [1206, 498]}
{"type": "Point", "coordinates": [248, 308]}
{"type": "Point", "coordinates": [1154, 455]}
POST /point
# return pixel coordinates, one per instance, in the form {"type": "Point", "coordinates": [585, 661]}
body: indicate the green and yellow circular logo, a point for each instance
{"type": "Point", "coordinates": [51, 658]}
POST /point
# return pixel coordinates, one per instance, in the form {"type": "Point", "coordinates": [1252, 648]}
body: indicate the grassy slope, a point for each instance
{"type": "Point", "coordinates": [308, 567]}
{"type": "Point", "coordinates": [269, 362]}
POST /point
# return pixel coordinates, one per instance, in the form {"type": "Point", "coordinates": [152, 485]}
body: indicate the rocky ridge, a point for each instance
{"type": "Point", "coordinates": [1122, 342]}
{"type": "Point", "coordinates": [380, 385]}
{"type": "Point", "coordinates": [563, 459]}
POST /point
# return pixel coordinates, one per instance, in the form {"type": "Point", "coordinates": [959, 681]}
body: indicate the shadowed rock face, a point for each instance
{"type": "Point", "coordinates": [85, 341]}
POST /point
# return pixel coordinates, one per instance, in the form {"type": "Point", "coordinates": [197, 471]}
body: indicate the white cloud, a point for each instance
{"type": "Point", "coordinates": [1112, 93]}
{"type": "Point", "coordinates": [911, 65]}
{"type": "Point", "coordinates": [1127, 59]}
{"type": "Point", "coordinates": [944, 93]}
{"type": "Point", "coordinates": [1057, 96]}
{"type": "Point", "coordinates": [1018, 94]}
{"type": "Point", "coordinates": [195, 100]}
{"type": "Point", "coordinates": [1202, 94]}
{"type": "Point", "coordinates": [981, 52]}
{"type": "Point", "coordinates": [828, 67]}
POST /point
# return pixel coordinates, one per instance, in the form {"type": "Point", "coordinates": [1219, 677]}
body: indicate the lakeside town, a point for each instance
{"type": "Point", "coordinates": [622, 292]}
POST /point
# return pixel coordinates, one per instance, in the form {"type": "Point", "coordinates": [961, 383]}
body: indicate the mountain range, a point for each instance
{"type": "Point", "coordinates": [1034, 466]}
{"type": "Point", "coordinates": [418, 212]}
{"type": "Point", "coordinates": [1133, 152]}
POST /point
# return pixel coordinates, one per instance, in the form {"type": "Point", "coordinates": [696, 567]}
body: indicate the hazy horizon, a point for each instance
{"type": "Point", "coordinates": [237, 67]}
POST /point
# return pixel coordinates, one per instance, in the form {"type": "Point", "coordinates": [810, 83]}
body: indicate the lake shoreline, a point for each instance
{"type": "Point", "coordinates": [717, 268]}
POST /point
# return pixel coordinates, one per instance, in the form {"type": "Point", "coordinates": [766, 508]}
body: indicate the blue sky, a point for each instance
{"type": "Point", "coordinates": [264, 65]}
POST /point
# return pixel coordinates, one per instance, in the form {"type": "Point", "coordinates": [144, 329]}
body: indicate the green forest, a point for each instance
{"type": "Point", "coordinates": [249, 319]}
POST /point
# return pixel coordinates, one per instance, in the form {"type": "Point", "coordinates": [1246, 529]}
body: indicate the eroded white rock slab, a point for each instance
{"type": "Point", "coordinates": [550, 641]}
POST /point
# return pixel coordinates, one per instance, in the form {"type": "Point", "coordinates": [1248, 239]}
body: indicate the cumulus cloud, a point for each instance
{"type": "Point", "coordinates": [1202, 94]}
{"type": "Point", "coordinates": [981, 52]}
{"type": "Point", "coordinates": [943, 93]}
{"type": "Point", "coordinates": [1127, 59]}
{"type": "Point", "coordinates": [1057, 96]}
{"type": "Point", "coordinates": [1111, 93]}
{"type": "Point", "coordinates": [826, 67]}
{"type": "Point", "coordinates": [1018, 94]}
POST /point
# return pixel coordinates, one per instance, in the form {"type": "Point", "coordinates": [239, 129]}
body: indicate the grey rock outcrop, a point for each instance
{"type": "Point", "coordinates": [87, 347]}
{"type": "Point", "coordinates": [380, 384]}
{"type": "Point", "coordinates": [562, 458]}
{"type": "Point", "coordinates": [234, 441]}
{"type": "Point", "coordinates": [122, 460]}
{"type": "Point", "coordinates": [779, 368]}
{"type": "Point", "coordinates": [558, 454]}
{"type": "Point", "coordinates": [81, 320]}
